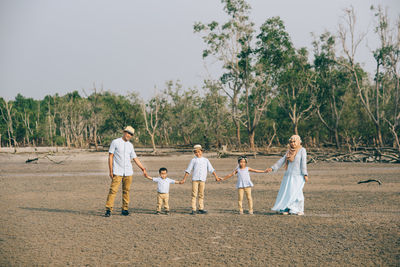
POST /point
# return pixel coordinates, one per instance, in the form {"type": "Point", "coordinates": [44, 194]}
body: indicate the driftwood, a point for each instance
{"type": "Point", "coordinates": [45, 156]}
{"type": "Point", "coordinates": [361, 154]}
{"type": "Point", "coordinates": [370, 180]}
{"type": "Point", "coordinates": [387, 155]}
{"type": "Point", "coordinates": [32, 160]}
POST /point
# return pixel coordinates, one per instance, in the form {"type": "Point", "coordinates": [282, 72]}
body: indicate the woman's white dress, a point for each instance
{"type": "Point", "coordinates": [290, 195]}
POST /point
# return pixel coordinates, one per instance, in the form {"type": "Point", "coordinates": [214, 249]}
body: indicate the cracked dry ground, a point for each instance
{"type": "Point", "coordinates": [52, 215]}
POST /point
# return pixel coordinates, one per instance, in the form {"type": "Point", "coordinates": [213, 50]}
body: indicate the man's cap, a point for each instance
{"type": "Point", "coordinates": [197, 147]}
{"type": "Point", "coordinates": [129, 130]}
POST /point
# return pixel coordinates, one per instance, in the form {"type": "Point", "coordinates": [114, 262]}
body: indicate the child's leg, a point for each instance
{"type": "Point", "coordinates": [249, 198]}
{"type": "Point", "coordinates": [240, 199]}
{"type": "Point", "coordinates": [195, 189]}
{"type": "Point", "coordinates": [159, 201]}
{"type": "Point", "coordinates": [166, 200]}
{"type": "Point", "coordinates": [202, 186]}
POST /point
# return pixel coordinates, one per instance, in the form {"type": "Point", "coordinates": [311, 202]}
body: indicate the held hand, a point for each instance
{"type": "Point", "coordinates": [218, 179]}
{"type": "Point", "coordinates": [111, 175]}
{"type": "Point", "coordinates": [268, 170]}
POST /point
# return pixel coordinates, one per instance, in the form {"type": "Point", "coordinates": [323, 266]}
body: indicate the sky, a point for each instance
{"type": "Point", "coordinates": [124, 46]}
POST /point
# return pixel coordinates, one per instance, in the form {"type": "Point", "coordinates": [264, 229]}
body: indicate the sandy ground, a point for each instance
{"type": "Point", "coordinates": [52, 215]}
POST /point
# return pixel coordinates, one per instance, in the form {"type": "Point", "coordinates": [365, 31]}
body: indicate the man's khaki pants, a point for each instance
{"type": "Point", "coordinates": [126, 186]}
{"type": "Point", "coordinates": [198, 189]}
{"type": "Point", "coordinates": [162, 198]}
{"type": "Point", "coordinates": [241, 191]}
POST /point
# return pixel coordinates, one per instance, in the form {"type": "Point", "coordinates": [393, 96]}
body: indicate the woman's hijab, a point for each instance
{"type": "Point", "coordinates": [293, 149]}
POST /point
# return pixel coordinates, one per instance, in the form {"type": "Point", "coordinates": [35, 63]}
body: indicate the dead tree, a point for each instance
{"type": "Point", "coordinates": [151, 121]}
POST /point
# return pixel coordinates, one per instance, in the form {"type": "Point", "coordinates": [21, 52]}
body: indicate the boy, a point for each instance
{"type": "Point", "coordinates": [163, 189]}
{"type": "Point", "coordinates": [199, 165]}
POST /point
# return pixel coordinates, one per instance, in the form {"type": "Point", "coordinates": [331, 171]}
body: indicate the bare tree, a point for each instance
{"type": "Point", "coordinates": [151, 119]}
{"type": "Point", "coordinates": [370, 97]}
{"type": "Point", "coordinates": [6, 113]}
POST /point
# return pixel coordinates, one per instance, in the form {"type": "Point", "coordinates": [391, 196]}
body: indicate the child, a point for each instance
{"type": "Point", "coordinates": [163, 189]}
{"type": "Point", "coordinates": [244, 183]}
{"type": "Point", "coordinates": [199, 165]}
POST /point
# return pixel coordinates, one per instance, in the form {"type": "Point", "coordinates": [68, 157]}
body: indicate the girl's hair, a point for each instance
{"type": "Point", "coordinates": [242, 157]}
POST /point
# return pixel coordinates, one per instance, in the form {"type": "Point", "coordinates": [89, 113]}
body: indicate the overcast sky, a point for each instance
{"type": "Point", "coordinates": [54, 46]}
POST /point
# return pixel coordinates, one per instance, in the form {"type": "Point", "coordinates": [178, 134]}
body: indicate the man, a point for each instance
{"type": "Point", "coordinates": [119, 163]}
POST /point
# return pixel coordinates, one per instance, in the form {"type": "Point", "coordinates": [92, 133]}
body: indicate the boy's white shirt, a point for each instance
{"type": "Point", "coordinates": [200, 167]}
{"type": "Point", "coordinates": [163, 184]}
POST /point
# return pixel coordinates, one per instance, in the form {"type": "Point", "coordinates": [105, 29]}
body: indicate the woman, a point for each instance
{"type": "Point", "coordinates": [290, 199]}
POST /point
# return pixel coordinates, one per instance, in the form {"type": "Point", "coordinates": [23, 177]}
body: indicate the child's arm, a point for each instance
{"type": "Point", "coordinates": [184, 177]}
{"type": "Point", "coordinates": [229, 175]}
{"type": "Point", "coordinates": [148, 177]}
{"type": "Point", "coordinates": [216, 176]}
{"type": "Point", "coordinates": [257, 171]}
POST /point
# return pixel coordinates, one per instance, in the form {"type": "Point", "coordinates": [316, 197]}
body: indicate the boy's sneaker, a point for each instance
{"type": "Point", "coordinates": [202, 212]}
{"type": "Point", "coordinates": [125, 212]}
{"type": "Point", "coordinates": [193, 212]}
{"type": "Point", "coordinates": [157, 213]}
{"type": "Point", "coordinates": [108, 213]}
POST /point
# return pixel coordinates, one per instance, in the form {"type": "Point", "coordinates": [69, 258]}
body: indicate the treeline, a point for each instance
{"type": "Point", "coordinates": [269, 90]}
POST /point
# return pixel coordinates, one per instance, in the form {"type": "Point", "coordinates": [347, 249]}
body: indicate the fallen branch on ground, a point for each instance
{"type": "Point", "coordinates": [370, 180]}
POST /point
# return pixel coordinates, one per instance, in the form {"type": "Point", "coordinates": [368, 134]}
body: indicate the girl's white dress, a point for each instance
{"type": "Point", "coordinates": [243, 178]}
{"type": "Point", "coordinates": [290, 195]}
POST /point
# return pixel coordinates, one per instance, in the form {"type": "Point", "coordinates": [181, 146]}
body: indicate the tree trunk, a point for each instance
{"type": "Point", "coordinates": [251, 140]}
{"type": "Point", "coordinates": [153, 143]}
{"type": "Point", "coordinates": [337, 138]}
{"type": "Point", "coordinates": [237, 125]}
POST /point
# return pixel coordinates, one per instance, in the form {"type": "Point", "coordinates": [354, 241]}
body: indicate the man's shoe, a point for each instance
{"type": "Point", "coordinates": [125, 212]}
{"type": "Point", "coordinates": [108, 213]}
{"type": "Point", "coordinates": [202, 212]}
{"type": "Point", "coordinates": [193, 212]}
{"type": "Point", "coordinates": [167, 212]}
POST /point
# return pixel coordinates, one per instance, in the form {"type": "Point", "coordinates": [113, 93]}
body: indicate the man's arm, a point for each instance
{"type": "Point", "coordinates": [110, 164]}
{"type": "Point", "coordinates": [140, 165]}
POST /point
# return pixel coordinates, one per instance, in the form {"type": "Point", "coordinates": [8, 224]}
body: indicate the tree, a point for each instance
{"type": "Point", "coordinates": [333, 83]}
{"type": "Point", "coordinates": [7, 115]}
{"type": "Point", "coordinates": [370, 97]}
{"type": "Point", "coordinates": [151, 119]}
{"type": "Point", "coordinates": [387, 56]}
{"type": "Point", "coordinates": [227, 42]}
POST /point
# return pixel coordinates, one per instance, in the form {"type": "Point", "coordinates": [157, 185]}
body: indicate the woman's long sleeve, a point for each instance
{"type": "Point", "coordinates": [278, 164]}
{"type": "Point", "coordinates": [303, 162]}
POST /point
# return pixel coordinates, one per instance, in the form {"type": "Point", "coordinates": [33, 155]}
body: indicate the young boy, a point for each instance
{"type": "Point", "coordinates": [163, 183]}
{"type": "Point", "coordinates": [199, 165]}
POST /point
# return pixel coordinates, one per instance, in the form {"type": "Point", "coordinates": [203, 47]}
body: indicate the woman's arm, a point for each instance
{"type": "Point", "coordinates": [303, 164]}
{"type": "Point", "coordinates": [278, 164]}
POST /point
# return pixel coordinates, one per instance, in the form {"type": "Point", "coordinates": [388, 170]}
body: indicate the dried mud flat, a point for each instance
{"type": "Point", "coordinates": [52, 215]}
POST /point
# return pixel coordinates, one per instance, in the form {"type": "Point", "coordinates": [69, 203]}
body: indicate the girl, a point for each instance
{"type": "Point", "coordinates": [244, 183]}
{"type": "Point", "coordinates": [290, 199]}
